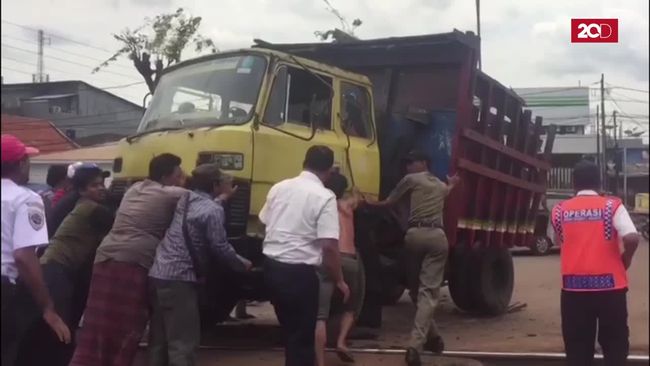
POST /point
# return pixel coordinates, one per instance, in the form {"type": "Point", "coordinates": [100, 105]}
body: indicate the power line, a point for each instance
{"type": "Point", "coordinates": [628, 99]}
{"type": "Point", "coordinates": [630, 89]}
{"type": "Point", "coordinates": [552, 91]}
{"type": "Point", "coordinates": [68, 61]}
{"type": "Point", "coordinates": [14, 70]}
{"type": "Point", "coordinates": [66, 51]}
{"type": "Point", "coordinates": [60, 37]}
{"type": "Point", "coordinates": [633, 119]}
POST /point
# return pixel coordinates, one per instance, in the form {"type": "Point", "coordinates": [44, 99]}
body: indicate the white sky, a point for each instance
{"type": "Point", "coordinates": [525, 43]}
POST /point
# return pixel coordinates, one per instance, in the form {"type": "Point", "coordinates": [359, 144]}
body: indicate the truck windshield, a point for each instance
{"type": "Point", "coordinates": [219, 91]}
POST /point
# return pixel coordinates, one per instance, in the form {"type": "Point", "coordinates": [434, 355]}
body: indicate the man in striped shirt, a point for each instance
{"type": "Point", "coordinates": [197, 231]}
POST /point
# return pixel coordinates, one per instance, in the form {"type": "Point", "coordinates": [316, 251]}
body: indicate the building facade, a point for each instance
{"type": "Point", "coordinates": [86, 114]}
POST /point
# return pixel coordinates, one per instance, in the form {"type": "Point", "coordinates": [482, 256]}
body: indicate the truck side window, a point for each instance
{"type": "Point", "coordinates": [299, 97]}
{"type": "Point", "coordinates": [355, 110]}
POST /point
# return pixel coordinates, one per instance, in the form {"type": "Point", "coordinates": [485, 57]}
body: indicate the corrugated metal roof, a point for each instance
{"type": "Point", "coordinates": [39, 133]}
{"type": "Point", "coordinates": [93, 154]}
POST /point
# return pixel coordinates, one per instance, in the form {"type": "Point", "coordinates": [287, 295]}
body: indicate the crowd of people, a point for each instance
{"type": "Point", "coordinates": [68, 258]}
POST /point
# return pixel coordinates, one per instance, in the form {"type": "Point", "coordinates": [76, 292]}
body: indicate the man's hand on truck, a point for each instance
{"type": "Point", "coordinates": [453, 181]}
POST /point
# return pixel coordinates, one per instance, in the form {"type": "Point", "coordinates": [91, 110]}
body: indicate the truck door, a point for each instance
{"type": "Point", "coordinates": [298, 114]}
{"type": "Point", "coordinates": [356, 124]}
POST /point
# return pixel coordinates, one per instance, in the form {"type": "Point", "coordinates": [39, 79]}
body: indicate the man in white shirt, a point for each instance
{"type": "Point", "coordinates": [302, 230]}
{"type": "Point", "coordinates": [23, 230]}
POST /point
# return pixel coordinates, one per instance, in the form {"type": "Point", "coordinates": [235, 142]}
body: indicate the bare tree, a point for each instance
{"type": "Point", "coordinates": [345, 33]}
{"type": "Point", "coordinates": [159, 43]}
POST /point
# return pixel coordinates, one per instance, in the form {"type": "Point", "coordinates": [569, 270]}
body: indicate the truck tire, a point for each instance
{"type": "Point", "coordinates": [495, 282]}
{"type": "Point", "coordinates": [217, 297]}
{"type": "Point", "coordinates": [541, 246]}
{"type": "Point", "coordinates": [462, 278]}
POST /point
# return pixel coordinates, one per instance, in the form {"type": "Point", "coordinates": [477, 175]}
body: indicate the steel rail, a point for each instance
{"type": "Point", "coordinates": [476, 355]}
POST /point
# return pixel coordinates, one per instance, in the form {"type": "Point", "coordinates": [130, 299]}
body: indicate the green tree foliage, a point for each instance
{"type": "Point", "coordinates": [159, 43]}
{"type": "Point", "coordinates": [345, 33]}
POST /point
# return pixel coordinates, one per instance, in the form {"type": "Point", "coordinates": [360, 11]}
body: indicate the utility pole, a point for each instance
{"type": "Point", "coordinates": [603, 128]}
{"type": "Point", "coordinates": [617, 167]}
{"type": "Point", "coordinates": [478, 30]}
{"type": "Point", "coordinates": [40, 76]}
{"type": "Point", "coordinates": [615, 130]}
{"type": "Point", "coordinates": [598, 157]}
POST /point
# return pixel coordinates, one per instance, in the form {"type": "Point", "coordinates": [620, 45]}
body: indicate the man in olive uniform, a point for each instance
{"type": "Point", "coordinates": [426, 246]}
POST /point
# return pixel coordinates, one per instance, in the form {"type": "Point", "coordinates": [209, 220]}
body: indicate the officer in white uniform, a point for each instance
{"type": "Point", "coordinates": [23, 230]}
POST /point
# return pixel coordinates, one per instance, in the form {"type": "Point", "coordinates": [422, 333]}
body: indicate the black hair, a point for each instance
{"type": "Point", "coordinates": [319, 159]}
{"type": "Point", "coordinates": [202, 183]}
{"type": "Point", "coordinates": [337, 183]}
{"type": "Point", "coordinates": [84, 176]}
{"type": "Point", "coordinates": [162, 166]}
{"type": "Point", "coordinates": [10, 168]}
{"type": "Point", "coordinates": [56, 174]}
{"type": "Point", "coordinates": [586, 175]}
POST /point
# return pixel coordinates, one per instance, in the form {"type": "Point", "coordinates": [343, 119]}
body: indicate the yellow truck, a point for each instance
{"type": "Point", "coordinates": [256, 112]}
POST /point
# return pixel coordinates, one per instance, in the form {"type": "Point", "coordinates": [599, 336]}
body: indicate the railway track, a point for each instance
{"type": "Point", "coordinates": [251, 356]}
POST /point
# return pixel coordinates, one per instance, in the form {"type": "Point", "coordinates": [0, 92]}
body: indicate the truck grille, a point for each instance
{"type": "Point", "coordinates": [236, 209]}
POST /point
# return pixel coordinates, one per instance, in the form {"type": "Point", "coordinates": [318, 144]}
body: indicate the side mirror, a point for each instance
{"type": "Point", "coordinates": [144, 101]}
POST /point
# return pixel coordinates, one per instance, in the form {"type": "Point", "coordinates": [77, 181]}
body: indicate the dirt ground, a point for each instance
{"type": "Point", "coordinates": [535, 328]}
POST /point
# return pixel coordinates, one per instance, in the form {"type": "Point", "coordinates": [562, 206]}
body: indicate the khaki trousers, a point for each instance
{"type": "Point", "coordinates": [426, 253]}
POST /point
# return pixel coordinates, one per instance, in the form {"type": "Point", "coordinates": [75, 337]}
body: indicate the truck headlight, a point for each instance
{"type": "Point", "coordinates": [226, 161]}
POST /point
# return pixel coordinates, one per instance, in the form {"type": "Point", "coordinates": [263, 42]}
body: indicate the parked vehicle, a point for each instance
{"type": "Point", "coordinates": [544, 240]}
{"type": "Point", "coordinates": [257, 111]}
{"type": "Point", "coordinates": [640, 214]}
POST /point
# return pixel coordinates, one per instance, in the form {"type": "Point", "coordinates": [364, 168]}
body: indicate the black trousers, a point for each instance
{"type": "Point", "coordinates": [293, 289]}
{"type": "Point", "coordinates": [69, 291]}
{"type": "Point", "coordinates": [9, 325]}
{"type": "Point", "coordinates": [585, 314]}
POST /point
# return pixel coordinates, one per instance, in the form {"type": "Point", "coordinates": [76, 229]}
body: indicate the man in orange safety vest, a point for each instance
{"type": "Point", "coordinates": [591, 228]}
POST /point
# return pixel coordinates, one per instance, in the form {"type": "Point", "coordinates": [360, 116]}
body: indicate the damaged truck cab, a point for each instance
{"type": "Point", "coordinates": [255, 113]}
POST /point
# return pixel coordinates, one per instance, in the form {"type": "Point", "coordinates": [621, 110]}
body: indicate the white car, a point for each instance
{"type": "Point", "coordinates": [544, 239]}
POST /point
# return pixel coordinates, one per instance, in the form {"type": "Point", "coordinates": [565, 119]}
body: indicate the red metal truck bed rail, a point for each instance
{"type": "Point", "coordinates": [497, 153]}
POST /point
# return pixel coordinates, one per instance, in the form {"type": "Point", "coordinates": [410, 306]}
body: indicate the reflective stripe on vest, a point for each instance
{"type": "Point", "coordinates": [591, 258]}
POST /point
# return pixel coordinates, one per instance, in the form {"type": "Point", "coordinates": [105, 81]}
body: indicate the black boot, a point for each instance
{"type": "Point", "coordinates": [413, 357]}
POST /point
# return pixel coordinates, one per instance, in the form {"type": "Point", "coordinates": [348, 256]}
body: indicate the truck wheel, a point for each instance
{"type": "Point", "coordinates": [541, 246]}
{"type": "Point", "coordinates": [495, 282]}
{"type": "Point", "coordinates": [214, 311]}
{"type": "Point", "coordinates": [217, 297]}
{"type": "Point", "coordinates": [462, 277]}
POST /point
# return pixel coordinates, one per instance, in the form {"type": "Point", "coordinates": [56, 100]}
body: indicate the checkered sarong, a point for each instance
{"type": "Point", "coordinates": [116, 315]}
